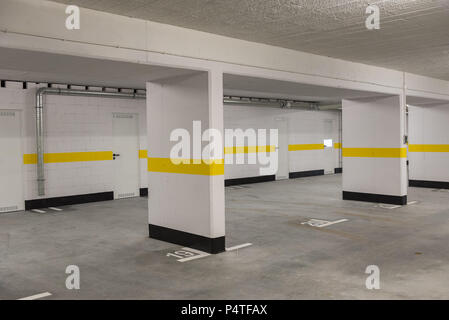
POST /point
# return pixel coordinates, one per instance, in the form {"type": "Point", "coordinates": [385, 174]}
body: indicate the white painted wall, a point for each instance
{"type": "Point", "coordinates": [72, 124]}
{"type": "Point", "coordinates": [429, 125]}
{"type": "Point", "coordinates": [304, 127]}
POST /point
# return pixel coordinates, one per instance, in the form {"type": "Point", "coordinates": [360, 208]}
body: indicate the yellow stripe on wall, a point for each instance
{"type": "Point", "coordinates": [249, 149]}
{"type": "Point", "coordinates": [337, 145]}
{"type": "Point", "coordinates": [166, 165]}
{"type": "Point", "coordinates": [143, 154]}
{"type": "Point", "coordinates": [256, 149]}
{"type": "Point", "coordinates": [30, 158]}
{"type": "Point", "coordinates": [428, 147]}
{"type": "Point", "coordinates": [301, 147]}
{"type": "Point", "coordinates": [375, 152]}
{"type": "Point", "coordinates": [69, 157]}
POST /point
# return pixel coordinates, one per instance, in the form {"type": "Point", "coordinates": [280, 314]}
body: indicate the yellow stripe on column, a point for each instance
{"type": "Point", "coordinates": [428, 147]}
{"type": "Point", "coordinates": [375, 152]}
{"type": "Point", "coordinates": [249, 149]}
{"type": "Point", "coordinates": [337, 145]}
{"type": "Point", "coordinates": [301, 147]}
{"type": "Point", "coordinates": [214, 168]}
{"type": "Point", "coordinates": [69, 157]}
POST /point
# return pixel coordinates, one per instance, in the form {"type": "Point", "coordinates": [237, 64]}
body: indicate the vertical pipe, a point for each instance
{"type": "Point", "coordinates": [40, 142]}
{"type": "Point", "coordinates": [340, 138]}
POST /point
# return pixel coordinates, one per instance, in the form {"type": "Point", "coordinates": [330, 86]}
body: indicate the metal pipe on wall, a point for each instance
{"type": "Point", "coordinates": [280, 103]}
{"type": "Point", "coordinates": [270, 102]}
{"type": "Point", "coordinates": [40, 142]}
{"type": "Point", "coordinates": [40, 120]}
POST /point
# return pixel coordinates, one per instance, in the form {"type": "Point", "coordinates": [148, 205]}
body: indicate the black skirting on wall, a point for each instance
{"type": "Point", "coordinates": [144, 192]}
{"type": "Point", "coordinates": [209, 245]}
{"type": "Point", "coordinates": [302, 174]}
{"type": "Point", "coordinates": [429, 184]}
{"type": "Point", "coordinates": [372, 197]}
{"type": "Point", "coordinates": [338, 170]}
{"type": "Point", "coordinates": [238, 181]}
{"type": "Point", "coordinates": [68, 200]}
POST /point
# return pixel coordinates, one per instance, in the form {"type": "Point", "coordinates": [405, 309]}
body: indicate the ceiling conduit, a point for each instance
{"type": "Point", "coordinates": [271, 102]}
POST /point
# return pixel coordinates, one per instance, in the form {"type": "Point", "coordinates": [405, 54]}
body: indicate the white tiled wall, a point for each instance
{"type": "Point", "coordinates": [304, 127]}
{"type": "Point", "coordinates": [78, 124]}
{"type": "Point", "coordinates": [72, 124]}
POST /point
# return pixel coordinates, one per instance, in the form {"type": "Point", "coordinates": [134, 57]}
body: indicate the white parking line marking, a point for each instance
{"type": "Point", "coordinates": [240, 246]}
{"type": "Point", "coordinates": [37, 296]}
{"type": "Point", "coordinates": [412, 202]}
{"type": "Point", "coordinates": [54, 209]}
{"type": "Point", "coordinates": [200, 254]}
{"type": "Point", "coordinates": [388, 207]}
{"type": "Point", "coordinates": [322, 223]}
{"type": "Point", "coordinates": [331, 223]}
{"type": "Point", "coordinates": [38, 211]}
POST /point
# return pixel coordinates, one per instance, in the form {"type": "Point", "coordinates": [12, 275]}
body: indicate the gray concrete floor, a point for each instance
{"type": "Point", "coordinates": [288, 260]}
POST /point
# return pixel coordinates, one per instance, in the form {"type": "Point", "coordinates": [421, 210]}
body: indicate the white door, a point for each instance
{"type": "Point", "coordinates": [329, 158]}
{"type": "Point", "coordinates": [11, 180]}
{"type": "Point", "coordinates": [282, 149]}
{"type": "Point", "coordinates": [126, 155]}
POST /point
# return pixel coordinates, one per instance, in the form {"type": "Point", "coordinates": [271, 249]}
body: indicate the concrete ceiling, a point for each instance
{"type": "Point", "coordinates": [424, 102]}
{"type": "Point", "coordinates": [34, 66]}
{"type": "Point", "coordinates": [413, 35]}
{"type": "Point", "coordinates": [37, 66]}
{"type": "Point", "coordinates": [235, 85]}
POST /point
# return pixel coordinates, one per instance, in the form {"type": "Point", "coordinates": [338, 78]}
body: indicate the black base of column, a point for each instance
{"type": "Point", "coordinates": [429, 184]}
{"type": "Point", "coordinates": [143, 192]}
{"type": "Point", "coordinates": [338, 170]}
{"type": "Point", "coordinates": [209, 245]}
{"type": "Point", "coordinates": [372, 197]}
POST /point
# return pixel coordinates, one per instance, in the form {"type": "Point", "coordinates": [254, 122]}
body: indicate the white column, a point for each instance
{"type": "Point", "coordinates": [429, 146]}
{"type": "Point", "coordinates": [186, 201]}
{"type": "Point", "coordinates": [374, 153]}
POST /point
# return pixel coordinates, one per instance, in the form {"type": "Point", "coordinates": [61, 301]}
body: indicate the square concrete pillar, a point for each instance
{"type": "Point", "coordinates": [429, 146]}
{"type": "Point", "coordinates": [374, 153]}
{"type": "Point", "coordinates": [186, 200]}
